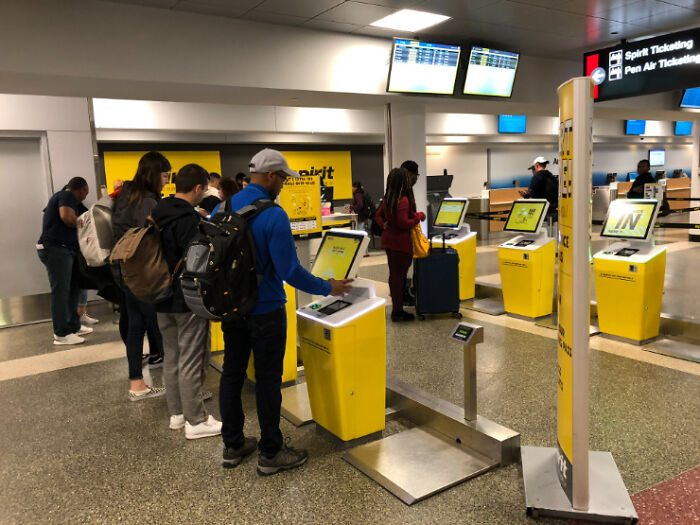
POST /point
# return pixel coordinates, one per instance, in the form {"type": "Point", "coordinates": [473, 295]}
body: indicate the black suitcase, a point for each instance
{"type": "Point", "coordinates": [436, 279]}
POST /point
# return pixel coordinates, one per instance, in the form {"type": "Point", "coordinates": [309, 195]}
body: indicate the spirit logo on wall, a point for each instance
{"type": "Point", "coordinates": [652, 65]}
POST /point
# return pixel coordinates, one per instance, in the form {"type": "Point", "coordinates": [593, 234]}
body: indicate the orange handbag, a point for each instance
{"type": "Point", "coordinates": [421, 245]}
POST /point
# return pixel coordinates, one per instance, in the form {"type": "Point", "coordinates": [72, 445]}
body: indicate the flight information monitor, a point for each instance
{"type": "Point", "coordinates": [490, 72]}
{"type": "Point", "coordinates": [512, 123]}
{"type": "Point", "coordinates": [629, 219]}
{"type": "Point", "coordinates": [691, 98]}
{"type": "Point", "coordinates": [657, 157]}
{"type": "Point", "coordinates": [451, 213]}
{"type": "Point", "coordinates": [339, 254]}
{"type": "Point", "coordinates": [423, 67]}
{"type": "Point", "coordinates": [684, 127]}
{"type": "Point", "coordinates": [635, 127]}
{"type": "Point", "coordinates": [526, 216]}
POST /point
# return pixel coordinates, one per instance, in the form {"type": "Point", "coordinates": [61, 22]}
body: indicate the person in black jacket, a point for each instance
{"type": "Point", "coordinates": [644, 176]}
{"type": "Point", "coordinates": [186, 335]}
{"type": "Point", "coordinates": [543, 185]}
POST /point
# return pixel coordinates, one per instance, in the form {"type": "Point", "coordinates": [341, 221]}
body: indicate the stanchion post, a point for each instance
{"type": "Point", "coordinates": [470, 335]}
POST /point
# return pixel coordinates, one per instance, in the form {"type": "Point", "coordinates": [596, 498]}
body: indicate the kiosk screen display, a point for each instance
{"type": "Point", "coordinates": [525, 216]}
{"type": "Point", "coordinates": [450, 213]}
{"type": "Point", "coordinates": [336, 255]}
{"type": "Point", "coordinates": [657, 157]}
{"type": "Point", "coordinates": [490, 72]}
{"type": "Point", "coordinates": [334, 307]}
{"type": "Point", "coordinates": [422, 67]}
{"type": "Point", "coordinates": [629, 219]}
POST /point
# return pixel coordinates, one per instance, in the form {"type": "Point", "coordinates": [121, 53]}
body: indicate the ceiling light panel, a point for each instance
{"type": "Point", "coordinates": [410, 20]}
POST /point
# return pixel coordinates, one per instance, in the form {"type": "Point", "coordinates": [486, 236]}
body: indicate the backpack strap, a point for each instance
{"type": "Point", "coordinates": [249, 213]}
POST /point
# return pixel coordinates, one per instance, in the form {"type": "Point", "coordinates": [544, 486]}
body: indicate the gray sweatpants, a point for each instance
{"type": "Point", "coordinates": [187, 347]}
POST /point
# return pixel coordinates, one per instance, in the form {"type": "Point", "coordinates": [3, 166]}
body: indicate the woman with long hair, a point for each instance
{"type": "Point", "coordinates": [132, 207]}
{"type": "Point", "coordinates": [228, 187]}
{"type": "Point", "coordinates": [396, 216]}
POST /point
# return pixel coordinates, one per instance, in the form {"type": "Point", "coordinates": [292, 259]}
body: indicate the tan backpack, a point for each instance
{"type": "Point", "coordinates": [144, 269]}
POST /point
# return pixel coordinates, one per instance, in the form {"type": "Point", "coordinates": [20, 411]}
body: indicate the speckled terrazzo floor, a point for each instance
{"type": "Point", "coordinates": [75, 450]}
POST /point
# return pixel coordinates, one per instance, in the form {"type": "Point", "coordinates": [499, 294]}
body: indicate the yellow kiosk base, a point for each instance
{"type": "Point", "coordinates": [345, 368]}
{"type": "Point", "coordinates": [466, 249]}
{"type": "Point", "coordinates": [289, 369]}
{"type": "Point", "coordinates": [629, 292]}
{"type": "Point", "coordinates": [527, 276]}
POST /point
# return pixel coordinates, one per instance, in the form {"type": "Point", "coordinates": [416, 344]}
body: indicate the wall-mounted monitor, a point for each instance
{"type": "Point", "coordinates": [490, 72]}
{"type": "Point", "coordinates": [657, 157]}
{"type": "Point", "coordinates": [423, 67]}
{"type": "Point", "coordinates": [630, 219]}
{"type": "Point", "coordinates": [512, 123]}
{"type": "Point", "coordinates": [691, 98]}
{"type": "Point", "coordinates": [526, 215]}
{"type": "Point", "coordinates": [684, 127]}
{"type": "Point", "coordinates": [451, 213]}
{"type": "Point", "coordinates": [635, 127]}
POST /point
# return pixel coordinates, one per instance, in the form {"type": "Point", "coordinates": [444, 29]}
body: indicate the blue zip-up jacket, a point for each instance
{"type": "Point", "coordinates": [274, 241]}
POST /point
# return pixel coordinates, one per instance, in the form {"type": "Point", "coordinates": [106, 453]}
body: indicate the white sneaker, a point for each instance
{"type": "Point", "coordinates": [70, 339]}
{"type": "Point", "coordinates": [177, 422]}
{"type": "Point", "coordinates": [85, 319]}
{"type": "Point", "coordinates": [84, 330]}
{"type": "Point", "coordinates": [208, 428]}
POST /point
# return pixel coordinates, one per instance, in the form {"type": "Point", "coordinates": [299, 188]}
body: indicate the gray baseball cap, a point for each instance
{"type": "Point", "coordinates": [268, 160]}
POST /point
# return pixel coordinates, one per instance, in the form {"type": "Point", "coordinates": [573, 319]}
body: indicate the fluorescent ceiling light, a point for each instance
{"type": "Point", "coordinates": [410, 20]}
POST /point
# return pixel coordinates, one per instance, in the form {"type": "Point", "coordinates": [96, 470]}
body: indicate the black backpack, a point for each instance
{"type": "Point", "coordinates": [551, 191]}
{"type": "Point", "coordinates": [218, 278]}
{"type": "Point", "coordinates": [369, 208]}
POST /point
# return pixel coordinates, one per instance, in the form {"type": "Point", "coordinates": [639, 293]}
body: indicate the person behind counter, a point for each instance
{"type": "Point", "coordinates": [644, 176]}
{"type": "Point", "coordinates": [396, 216]}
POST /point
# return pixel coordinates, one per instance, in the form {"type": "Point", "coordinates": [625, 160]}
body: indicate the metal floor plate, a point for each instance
{"type": "Point", "coordinates": [416, 464]}
{"type": "Point", "coordinates": [488, 305]}
{"type": "Point", "coordinates": [295, 404]}
{"type": "Point", "coordinates": [609, 500]}
{"type": "Point", "coordinates": [675, 348]}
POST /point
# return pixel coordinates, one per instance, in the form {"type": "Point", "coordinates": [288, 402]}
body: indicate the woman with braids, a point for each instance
{"type": "Point", "coordinates": [396, 216]}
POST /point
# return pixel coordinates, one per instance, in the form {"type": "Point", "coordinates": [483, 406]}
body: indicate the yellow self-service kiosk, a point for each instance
{"type": "Point", "coordinates": [526, 262]}
{"type": "Point", "coordinates": [450, 222]}
{"type": "Point", "coordinates": [343, 343]}
{"type": "Point", "coordinates": [629, 274]}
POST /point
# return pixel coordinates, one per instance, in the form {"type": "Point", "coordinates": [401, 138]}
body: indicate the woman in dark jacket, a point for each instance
{"type": "Point", "coordinates": [132, 207]}
{"type": "Point", "coordinates": [396, 216]}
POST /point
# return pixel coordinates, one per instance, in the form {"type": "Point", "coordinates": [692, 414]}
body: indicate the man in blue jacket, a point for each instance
{"type": "Point", "coordinates": [264, 330]}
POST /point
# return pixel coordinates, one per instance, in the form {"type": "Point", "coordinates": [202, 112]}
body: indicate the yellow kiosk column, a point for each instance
{"type": "Point", "coordinates": [465, 245]}
{"type": "Point", "coordinates": [629, 274]}
{"type": "Point", "coordinates": [526, 262]}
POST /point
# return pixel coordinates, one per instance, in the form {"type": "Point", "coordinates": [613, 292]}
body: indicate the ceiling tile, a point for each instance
{"type": "Point", "coordinates": [690, 4]}
{"type": "Point", "coordinates": [211, 8]}
{"type": "Point", "coordinates": [356, 13]}
{"type": "Point", "coordinates": [454, 8]}
{"type": "Point", "coordinates": [303, 8]}
{"type": "Point", "coordinates": [274, 18]}
{"type": "Point", "coordinates": [328, 25]}
{"type": "Point", "coordinates": [581, 7]}
{"type": "Point", "coordinates": [640, 9]}
{"type": "Point", "coordinates": [395, 4]}
{"type": "Point", "coordinates": [381, 32]}
{"type": "Point", "coordinates": [166, 4]}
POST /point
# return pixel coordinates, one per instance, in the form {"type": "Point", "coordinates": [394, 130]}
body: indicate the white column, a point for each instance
{"type": "Point", "coordinates": [405, 135]}
{"type": "Point", "coordinates": [694, 235]}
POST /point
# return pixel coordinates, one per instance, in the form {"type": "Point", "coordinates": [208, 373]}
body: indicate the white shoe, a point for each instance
{"type": "Point", "coordinates": [177, 422]}
{"type": "Point", "coordinates": [85, 319]}
{"type": "Point", "coordinates": [208, 428]}
{"type": "Point", "coordinates": [70, 339]}
{"type": "Point", "coordinates": [84, 330]}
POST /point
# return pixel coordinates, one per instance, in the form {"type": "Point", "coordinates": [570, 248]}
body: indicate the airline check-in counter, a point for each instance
{"type": "Point", "coordinates": [450, 222]}
{"type": "Point", "coordinates": [343, 343]}
{"type": "Point", "coordinates": [526, 262]}
{"type": "Point", "coordinates": [629, 274]}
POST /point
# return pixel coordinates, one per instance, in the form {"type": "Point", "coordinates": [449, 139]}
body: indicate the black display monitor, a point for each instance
{"type": "Point", "coordinates": [451, 213]}
{"type": "Point", "coordinates": [423, 67]}
{"type": "Point", "coordinates": [490, 72]}
{"type": "Point", "coordinates": [327, 193]}
{"type": "Point", "coordinates": [526, 216]}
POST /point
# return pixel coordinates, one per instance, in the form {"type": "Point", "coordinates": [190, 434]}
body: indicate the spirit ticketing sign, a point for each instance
{"type": "Point", "coordinates": [652, 65]}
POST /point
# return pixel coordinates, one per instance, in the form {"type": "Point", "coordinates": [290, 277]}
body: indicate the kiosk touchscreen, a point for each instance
{"type": "Point", "coordinates": [449, 222]}
{"type": "Point", "coordinates": [343, 343]}
{"type": "Point", "coordinates": [526, 262]}
{"type": "Point", "coordinates": [629, 273]}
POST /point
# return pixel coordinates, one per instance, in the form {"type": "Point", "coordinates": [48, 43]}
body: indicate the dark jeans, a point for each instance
{"type": "Point", "coordinates": [142, 317]}
{"type": "Point", "coordinates": [399, 263]}
{"type": "Point", "coordinates": [266, 335]}
{"type": "Point", "coordinates": [155, 339]}
{"type": "Point", "coordinates": [64, 292]}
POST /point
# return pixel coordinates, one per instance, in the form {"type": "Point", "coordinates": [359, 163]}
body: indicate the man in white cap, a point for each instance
{"type": "Point", "coordinates": [543, 185]}
{"type": "Point", "coordinates": [264, 330]}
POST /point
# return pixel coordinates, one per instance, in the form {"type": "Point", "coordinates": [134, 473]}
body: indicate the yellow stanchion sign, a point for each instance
{"type": "Point", "coordinates": [122, 164]}
{"type": "Point", "coordinates": [301, 199]}
{"type": "Point", "coordinates": [332, 167]}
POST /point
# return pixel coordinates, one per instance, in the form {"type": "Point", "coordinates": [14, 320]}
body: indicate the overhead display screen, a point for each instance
{"type": "Point", "coordinates": [629, 219]}
{"type": "Point", "coordinates": [490, 72]}
{"type": "Point", "coordinates": [423, 67]}
{"type": "Point", "coordinates": [652, 65]}
{"type": "Point", "coordinates": [635, 127]}
{"type": "Point", "coordinates": [691, 98]}
{"type": "Point", "coordinates": [526, 216]}
{"type": "Point", "coordinates": [684, 127]}
{"type": "Point", "coordinates": [657, 157]}
{"type": "Point", "coordinates": [336, 255]}
{"type": "Point", "coordinates": [512, 123]}
{"type": "Point", "coordinates": [450, 213]}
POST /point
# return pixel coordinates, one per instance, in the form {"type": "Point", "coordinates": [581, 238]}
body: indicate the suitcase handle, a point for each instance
{"type": "Point", "coordinates": [444, 246]}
